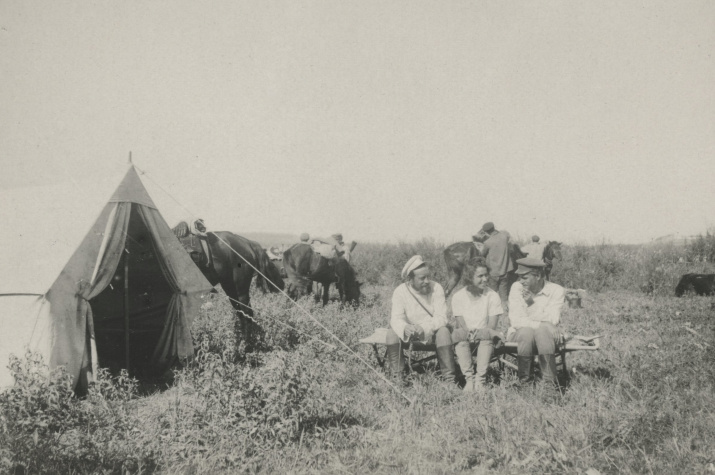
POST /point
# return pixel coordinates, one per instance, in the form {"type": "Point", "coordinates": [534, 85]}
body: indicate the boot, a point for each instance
{"type": "Point", "coordinates": [464, 360]}
{"type": "Point", "coordinates": [548, 369]}
{"type": "Point", "coordinates": [395, 361]}
{"type": "Point", "coordinates": [525, 369]}
{"type": "Point", "coordinates": [445, 357]}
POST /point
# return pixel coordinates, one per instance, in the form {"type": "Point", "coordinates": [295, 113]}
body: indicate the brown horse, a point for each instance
{"type": "Point", "coordinates": [456, 256]}
{"type": "Point", "coordinates": [303, 266]}
{"type": "Point", "coordinates": [551, 251]}
{"type": "Point", "coordinates": [231, 263]}
{"type": "Point", "coordinates": [699, 284]}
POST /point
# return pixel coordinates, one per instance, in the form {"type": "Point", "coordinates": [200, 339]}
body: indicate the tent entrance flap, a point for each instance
{"type": "Point", "coordinates": [144, 301]}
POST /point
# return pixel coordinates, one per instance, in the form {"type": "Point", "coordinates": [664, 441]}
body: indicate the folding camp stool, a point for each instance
{"type": "Point", "coordinates": [501, 352]}
{"type": "Point", "coordinates": [576, 343]}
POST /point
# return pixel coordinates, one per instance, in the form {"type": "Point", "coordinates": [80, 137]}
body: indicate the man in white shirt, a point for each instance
{"type": "Point", "coordinates": [476, 309]}
{"type": "Point", "coordinates": [535, 248]}
{"type": "Point", "coordinates": [535, 311]}
{"type": "Point", "coordinates": [419, 313]}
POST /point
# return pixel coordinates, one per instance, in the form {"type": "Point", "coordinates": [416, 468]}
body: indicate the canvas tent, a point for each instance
{"type": "Point", "coordinates": [88, 281]}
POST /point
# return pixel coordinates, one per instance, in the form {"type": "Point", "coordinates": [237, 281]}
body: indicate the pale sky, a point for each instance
{"type": "Point", "coordinates": [385, 120]}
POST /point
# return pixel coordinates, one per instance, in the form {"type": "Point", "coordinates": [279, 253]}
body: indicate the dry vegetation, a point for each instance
{"type": "Point", "coordinates": [643, 404]}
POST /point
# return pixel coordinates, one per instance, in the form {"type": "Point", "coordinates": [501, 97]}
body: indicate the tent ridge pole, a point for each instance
{"type": "Point", "coordinates": [126, 310]}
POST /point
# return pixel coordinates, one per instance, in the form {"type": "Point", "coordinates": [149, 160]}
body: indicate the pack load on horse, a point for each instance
{"type": "Point", "coordinates": [332, 247]}
{"type": "Point", "coordinates": [231, 260]}
{"type": "Point", "coordinates": [304, 265]}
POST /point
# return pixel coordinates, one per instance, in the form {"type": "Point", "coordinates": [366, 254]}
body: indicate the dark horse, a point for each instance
{"type": "Point", "coordinates": [231, 263]}
{"type": "Point", "coordinates": [700, 284]}
{"type": "Point", "coordinates": [303, 265]}
{"type": "Point", "coordinates": [457, 254]}
{"type": "Point", "coordinates": [551, 251]}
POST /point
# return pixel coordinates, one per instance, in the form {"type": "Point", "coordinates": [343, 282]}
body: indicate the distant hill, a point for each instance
{"type": "Point", "coordinates": [271, 239]}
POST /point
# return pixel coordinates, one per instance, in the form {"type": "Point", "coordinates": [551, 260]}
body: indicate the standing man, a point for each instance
{"type": "Point", "coordinates": [536, 306]}
{"type": "Point", "coordinates": [305, 238]}
{"type": "Point", "coordinates": [419, 313]}
{"type": "Point", "coordinates": [535, 248]}
{"type": "Point", "coordinates": [497, 249]}
{"type": "Point", "coordinates": [341, 249]}
{"type": "Point", "coordinates": [477, 309]}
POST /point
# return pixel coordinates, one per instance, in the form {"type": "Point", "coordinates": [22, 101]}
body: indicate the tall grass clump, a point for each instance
{"type": "Point", "coordinates": [651, 269]}
{"type": "Point", "coordinates": [381, 264]}
{"type": "Point", "coordinates": [45, 428]}
{"type": "Point", "coordinates": [702, 249]}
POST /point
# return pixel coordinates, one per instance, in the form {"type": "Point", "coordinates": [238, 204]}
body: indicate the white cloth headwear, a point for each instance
{"type": "Point", "coordinates": [412, 264]}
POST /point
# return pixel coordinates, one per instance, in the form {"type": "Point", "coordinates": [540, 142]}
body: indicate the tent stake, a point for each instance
{"type": "Point", "coordinates": [126, 310]}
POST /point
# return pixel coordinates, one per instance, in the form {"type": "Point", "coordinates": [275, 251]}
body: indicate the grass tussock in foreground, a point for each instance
{"type": "Point", "coordinates": [643, 404]}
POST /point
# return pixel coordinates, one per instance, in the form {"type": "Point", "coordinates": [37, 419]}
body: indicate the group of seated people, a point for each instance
{"type": "Point", "coordinates": [419, 314]}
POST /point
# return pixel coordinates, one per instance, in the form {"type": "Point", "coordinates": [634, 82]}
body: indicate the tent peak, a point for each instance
{"type": "Point", "coordinates": [131, 189]}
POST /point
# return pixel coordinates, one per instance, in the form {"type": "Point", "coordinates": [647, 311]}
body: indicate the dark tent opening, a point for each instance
{"type": "Point", "coordinates": [128, 324]}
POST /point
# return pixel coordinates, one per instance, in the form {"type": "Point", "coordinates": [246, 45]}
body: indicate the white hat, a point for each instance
{"type": "Point", "coordinates": [412, 264]}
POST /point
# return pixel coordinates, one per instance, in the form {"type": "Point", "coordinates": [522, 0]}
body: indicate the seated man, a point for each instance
{"type": "Point", "coordinates": [477, 309]}
{"type": "Point", "coordinates": [535, 311]}
{"type": "Point", "coordinates": [419, 313]}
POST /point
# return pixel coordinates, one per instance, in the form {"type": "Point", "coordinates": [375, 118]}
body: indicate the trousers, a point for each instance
{"type": "Point", "coordinates": [485, 350]}
{"type": "Point", "coordinates": [501, 284]}
{"type": "Point", "coordinates": [532, 341]}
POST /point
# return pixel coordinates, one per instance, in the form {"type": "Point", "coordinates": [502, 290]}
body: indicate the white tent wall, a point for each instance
{"type": "Point", "coordinates": [25, 323]}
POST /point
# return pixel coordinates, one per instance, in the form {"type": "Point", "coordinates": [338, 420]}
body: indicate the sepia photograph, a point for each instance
{"type": "Point", "coordinates": [347, 237]}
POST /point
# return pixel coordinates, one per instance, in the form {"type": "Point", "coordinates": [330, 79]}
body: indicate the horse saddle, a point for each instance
{"type": "Point", "coordinates": [198, 248]}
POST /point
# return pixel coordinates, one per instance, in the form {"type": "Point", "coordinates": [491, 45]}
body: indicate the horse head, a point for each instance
{"type": "Point", "coordinates": [552, 250]}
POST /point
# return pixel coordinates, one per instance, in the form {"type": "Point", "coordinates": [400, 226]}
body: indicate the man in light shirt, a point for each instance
{"type": "Point", "coordinates": [535, 312]}
{"type": "Point", "coordinates": [476, 309]}
{"type": "Point", "coordinates": [419, 313]}
{"type": "Point", "coordinates": [534, 249]}
{"type": "Point", "coordinates": [497, 251]}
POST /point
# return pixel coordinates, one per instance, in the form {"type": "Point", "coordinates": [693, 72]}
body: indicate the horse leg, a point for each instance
{"type": "Point", "coordinates": [237, 290]}
{"type": "Point", "coordinates": [318, 291]}
{"type": "Point", "coordinates": [341, 291]}
{"type": "Point", "coordinates": [326, 292]}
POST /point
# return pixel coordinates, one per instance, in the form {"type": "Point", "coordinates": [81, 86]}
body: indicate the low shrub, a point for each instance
{"type": "Point", "coordinates": [45, 428]}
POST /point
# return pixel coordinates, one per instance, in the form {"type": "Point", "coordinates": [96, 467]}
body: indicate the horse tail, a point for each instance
{"type": "Point", "coordinates": [298, 283]}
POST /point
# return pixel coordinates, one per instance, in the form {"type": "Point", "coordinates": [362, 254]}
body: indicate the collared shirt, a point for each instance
{"type": "Point", "coordinates": [407, 311]}
{"type": "Point", "coordinates": [547, 306]}
{"type": "Point", "coordinates": [534, 249]}
{"type": "Point", "coordinates": [476, 309]}
{"type": "Point", "coordinates": [496, 250]}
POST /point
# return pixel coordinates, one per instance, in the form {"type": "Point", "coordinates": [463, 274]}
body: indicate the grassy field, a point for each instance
{"type": "Point", "coordinates": [644, 403]}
